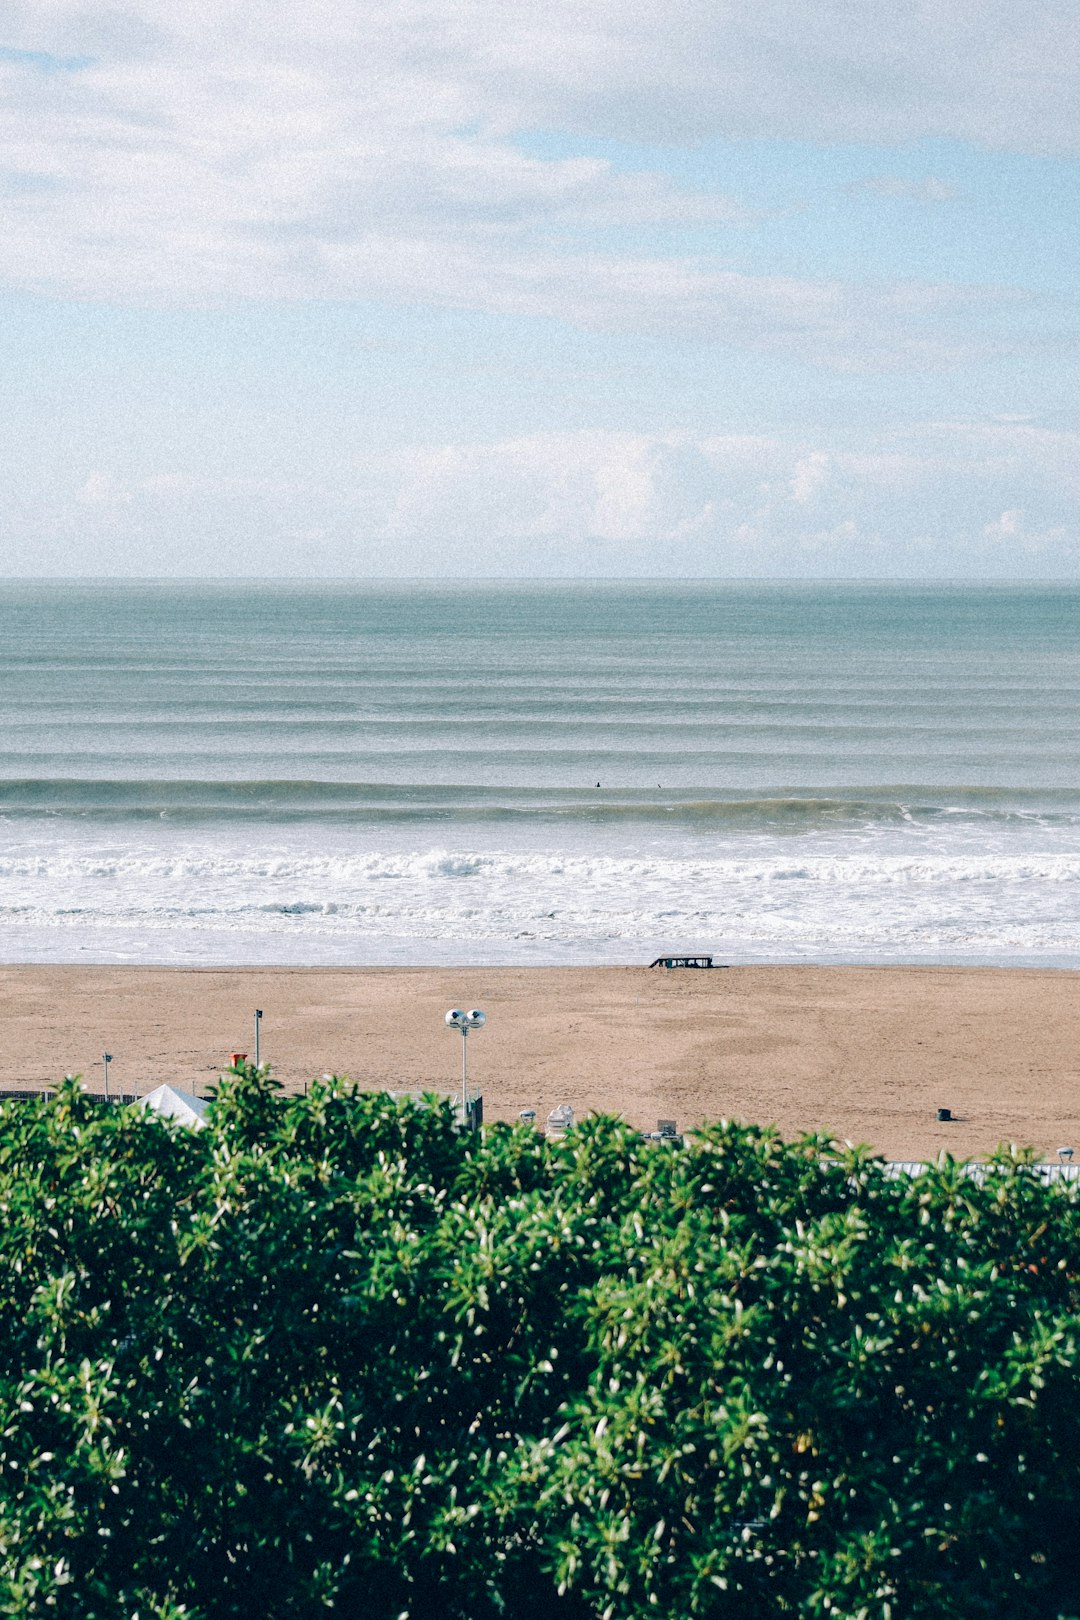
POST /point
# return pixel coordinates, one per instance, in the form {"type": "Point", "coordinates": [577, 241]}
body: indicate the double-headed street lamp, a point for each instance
{"type": "Point", "coordinates": [464, 1021]}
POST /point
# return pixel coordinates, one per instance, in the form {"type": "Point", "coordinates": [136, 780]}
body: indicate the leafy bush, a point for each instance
{"type": "Point", "coordinates": [332, 1355]}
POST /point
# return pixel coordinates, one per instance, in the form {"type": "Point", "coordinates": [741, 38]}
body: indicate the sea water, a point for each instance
{"type": "Point", "coordinates": [359, 772]}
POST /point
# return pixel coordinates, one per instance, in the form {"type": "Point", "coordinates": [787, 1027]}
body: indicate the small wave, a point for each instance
{"type": "Point", "coordinates": [386, 804]}
{"type": "Point", "coordinates": [231, 872]}
{"type": "Point", "coordinates": [458, 866]}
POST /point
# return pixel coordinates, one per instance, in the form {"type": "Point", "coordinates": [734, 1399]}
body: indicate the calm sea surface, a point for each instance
{"type": "Point", "coordinates": [335, 773]}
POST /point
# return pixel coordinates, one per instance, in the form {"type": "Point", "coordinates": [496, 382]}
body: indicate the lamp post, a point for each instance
{"type": "Point", "coordinates": [464, 1021]}
{"type": "Point", "coordinates": [258, 1021]}
{"type": "Point", "coordinates": [106, 1059]}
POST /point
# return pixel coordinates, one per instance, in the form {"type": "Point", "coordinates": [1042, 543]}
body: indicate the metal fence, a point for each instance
{"type": "Point", "coordinates": [94, 1096]}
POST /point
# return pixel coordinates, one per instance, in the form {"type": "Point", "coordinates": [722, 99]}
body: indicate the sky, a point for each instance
{"type": "Point", "coordinates": [712, 288]}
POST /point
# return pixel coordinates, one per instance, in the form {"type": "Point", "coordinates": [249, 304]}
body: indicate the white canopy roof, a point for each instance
{"type": "Point", "coordinates": [175, 1104]}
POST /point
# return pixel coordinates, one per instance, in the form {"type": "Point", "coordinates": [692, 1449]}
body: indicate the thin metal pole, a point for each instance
{"type": "Point", "coordinates": [258, 1021]}
{"type": "Point", "coordinates": [464, 1075]}
{"type": "Point", "coordinates": [106, 1059]}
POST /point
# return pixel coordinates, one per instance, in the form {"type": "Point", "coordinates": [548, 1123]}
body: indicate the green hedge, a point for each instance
{"type": "Point", "coordinates": [331, 1355]}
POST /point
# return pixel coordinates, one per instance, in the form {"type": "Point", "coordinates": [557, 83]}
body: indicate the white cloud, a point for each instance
{"type": "Point", "coordinates": [740, 503]}
{"type": "Point", "coordinates": [100, 489]}
{"type": "Point", "coordinates": [983, 70]}
{"type": "Point", "coordinates": [1016, 450]}
{"type": "Point", "coordinates": [197, 153]}
{"type": "Point", "coordinates": [927, 190]}
{"type": "Point", "coordinates": [810, 474]}
{"type": "Point", "coordinates": [299, 150]}
{"type": "Point", "coordinates": [949, 499]}
{"type": "Point", "coordinates": [1005, 527]}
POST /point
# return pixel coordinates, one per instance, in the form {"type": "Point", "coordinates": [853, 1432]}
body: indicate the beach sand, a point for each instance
{"type": "Point", "coordinates": [868, 1054]}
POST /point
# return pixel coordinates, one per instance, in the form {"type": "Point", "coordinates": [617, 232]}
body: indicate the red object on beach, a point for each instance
{"type": "Point", "coordinates": [237, 1059]}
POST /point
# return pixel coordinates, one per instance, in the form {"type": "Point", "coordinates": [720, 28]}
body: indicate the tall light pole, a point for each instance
{"type": "Point", "coordinates": [464, 1021]}
{"type": "Point", "coordinates": [258, 1021]}
{"type": "Point", "coordinates": [106, 1059]}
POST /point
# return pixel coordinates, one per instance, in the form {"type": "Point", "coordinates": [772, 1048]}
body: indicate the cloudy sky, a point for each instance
{"type": "Point", "coordinates": [580, 287]}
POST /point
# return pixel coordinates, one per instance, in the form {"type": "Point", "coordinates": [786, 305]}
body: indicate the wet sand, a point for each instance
{"type": "Point", "coordinates": [869, 1054]}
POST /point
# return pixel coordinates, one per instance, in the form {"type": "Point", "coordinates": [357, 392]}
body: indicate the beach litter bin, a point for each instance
{"type": "Point", "coordinates": [559, 1120]}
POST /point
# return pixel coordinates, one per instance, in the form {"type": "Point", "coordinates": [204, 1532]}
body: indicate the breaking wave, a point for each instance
{"type": "Point", "coordinates": [384, 804]}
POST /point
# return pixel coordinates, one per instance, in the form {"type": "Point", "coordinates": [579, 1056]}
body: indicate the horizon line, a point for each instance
{"type": "Point", "coordinates": [465, 581]}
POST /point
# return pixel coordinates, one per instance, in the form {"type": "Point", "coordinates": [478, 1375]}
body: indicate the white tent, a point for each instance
{"type": "Point", "coordinates": [174, 1104]}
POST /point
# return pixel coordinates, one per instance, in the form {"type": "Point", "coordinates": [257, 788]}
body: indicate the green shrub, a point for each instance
{"type": "Point", "coordinates": [331, 1355]}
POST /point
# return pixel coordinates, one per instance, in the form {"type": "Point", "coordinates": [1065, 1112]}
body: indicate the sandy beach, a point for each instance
{"type": "Point", "coordinates": [869, 1054]}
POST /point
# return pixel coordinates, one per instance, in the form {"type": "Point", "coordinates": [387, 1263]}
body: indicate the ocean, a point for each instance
{"type": "Point", "coordinates": [374, 772]}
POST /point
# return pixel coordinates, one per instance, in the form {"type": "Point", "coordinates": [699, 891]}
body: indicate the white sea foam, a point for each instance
{"type": "Point", "coordinates": [231, 870]}
{"type": "Point", "coordinates": [862, 898]}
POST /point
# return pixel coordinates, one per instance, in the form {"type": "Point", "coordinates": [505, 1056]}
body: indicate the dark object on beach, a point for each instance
{"type": "Point", "coordinates": [685, 961]}
{"type": "Point", "coordinates": [944, 1113]}
{"type": "Point", "coordinates": [666, 1131]}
